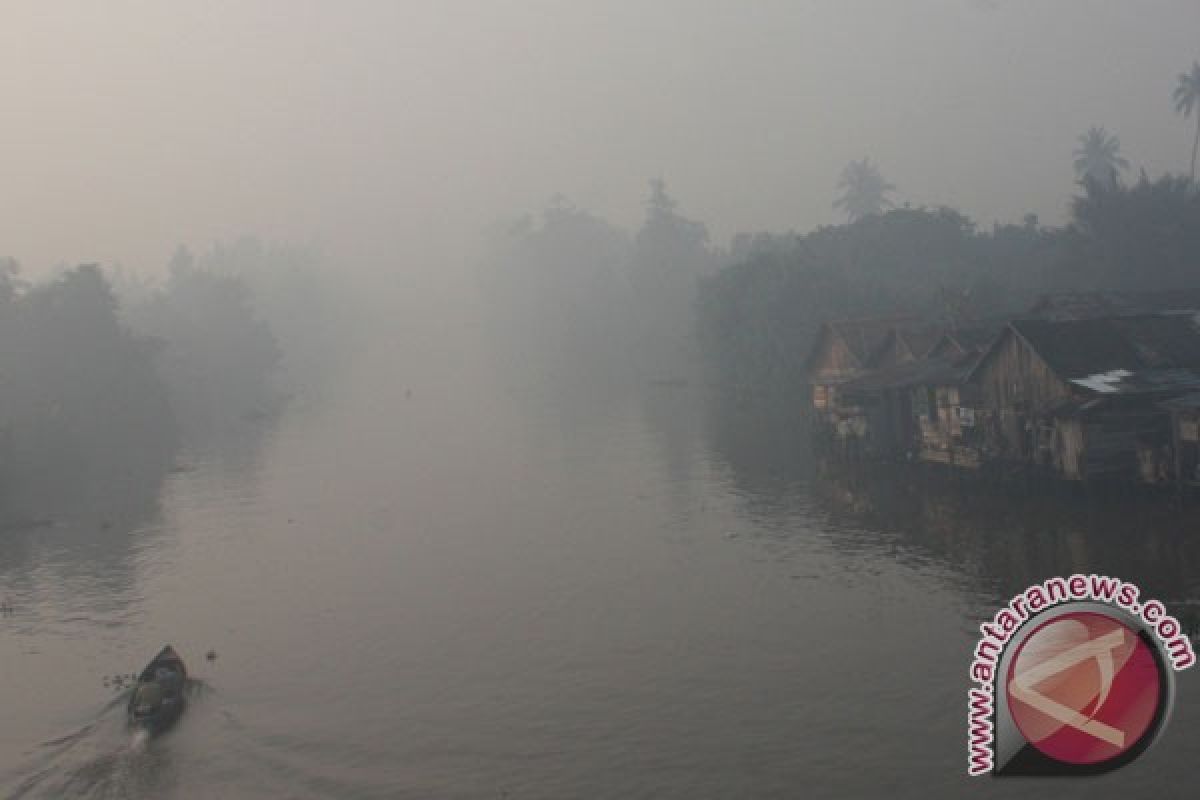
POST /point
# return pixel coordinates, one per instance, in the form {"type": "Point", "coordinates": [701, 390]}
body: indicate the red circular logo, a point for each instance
{"type": "Point", "coordinates": [1084, 688]}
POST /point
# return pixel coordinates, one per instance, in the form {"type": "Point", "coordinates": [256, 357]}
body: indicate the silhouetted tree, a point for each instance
{"type": "Point", "coordinates": [757, 316]}
{"type": "Point", "coordinates": [218, 357]}
{"type": "Point", "coordinates": [670, 254]}
{"type": "Point", "coordinates": [1098, 159]}
{"type": "Point", "coordinates": [1146, 236]}
{"type": "Point", "coordinates": [1187, 102]}
{"type": "Point", "coordinates": [864, 191]}
{"type": "Point", "coordinates": [82, 404]}
{"type": "Point", "coordinates": [9, 283]}
{"type": "Point", "coordinates": [558, 295]}
{"type": "Point", "coordinates": [304, 304]}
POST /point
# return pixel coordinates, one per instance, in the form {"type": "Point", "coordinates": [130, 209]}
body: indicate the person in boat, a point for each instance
{"type": "Point", "coordinates": [148, 699]}
{"type": "Point", "coordinates": [171, 681]}
{"type": "Point", "coordinates": [154, 695]}
{"type": "Point", "coordinates": [169, 678]}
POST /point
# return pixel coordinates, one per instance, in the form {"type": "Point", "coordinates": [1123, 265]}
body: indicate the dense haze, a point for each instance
{"type": "Point", "coordinates": [391, 133]}
{"type": "Point", "coordinates": [432, 375]}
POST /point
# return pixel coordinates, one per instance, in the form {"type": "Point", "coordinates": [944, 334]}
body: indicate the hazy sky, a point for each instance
{"type": "Point", "coordinates": [394, 131]}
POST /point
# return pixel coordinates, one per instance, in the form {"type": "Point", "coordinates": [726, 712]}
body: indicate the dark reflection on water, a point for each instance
{"type": "Point", "coordinates": [762, 444]}
{"type": "Point", "coordinates": [1004, 539]}
{"type": "Point", "coordinates": [73, 561]}
{"type": "Point", "coordinates": [950, 532]}
{"type": "Point", "coordinates": [470, 592]}
{"type": "Point", "coordinates": [87, 534]}
{"type": "Point", "coordinates": [997, 538]}
{"type": "Point", "coordinates": [79, 536]}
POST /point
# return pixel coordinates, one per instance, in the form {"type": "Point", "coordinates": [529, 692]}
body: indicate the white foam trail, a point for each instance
{"type": "Point", "coordinates": [138, 742]}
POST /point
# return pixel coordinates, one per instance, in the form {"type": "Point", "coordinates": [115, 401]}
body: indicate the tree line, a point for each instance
{"type": "Point", "coordinates": [103, 376]}
{"type": "Point", "coordinates": [572, 295]}
{"type": "Point", "coordinates": [575, 298]}
{"type": "Point", "coordinates": [756, 318]}
{"type": "Point", "coordinates": [1098, 160]}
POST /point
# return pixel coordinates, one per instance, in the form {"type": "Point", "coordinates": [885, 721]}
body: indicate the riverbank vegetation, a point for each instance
{"type": "Point", "coordinates": [757, 317]}
{"type": "Point", "coordinates": [573, 297]}
{"type": "Point", "coordinates": [572, 294]}
{"type": "Point", "coordinates": [103, 377]}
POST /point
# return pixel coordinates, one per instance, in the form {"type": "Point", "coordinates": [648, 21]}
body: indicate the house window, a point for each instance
{"type": "Point", "coordinates": [820, 397]}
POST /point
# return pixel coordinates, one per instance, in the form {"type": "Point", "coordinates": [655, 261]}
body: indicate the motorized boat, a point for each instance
{"type": "Point", "coordinates": [158, 697]}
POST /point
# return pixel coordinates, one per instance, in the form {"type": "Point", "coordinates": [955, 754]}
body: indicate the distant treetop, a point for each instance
{"type": "Point", "coordinates": [864, 190]}
{"type": "Point", "coordinates": [1098, 160]}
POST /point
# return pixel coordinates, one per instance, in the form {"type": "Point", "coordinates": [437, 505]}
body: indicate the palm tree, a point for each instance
{"type": "Point", "coordinates": [1098, 159]}
{"type": "Point", "coordinates": [864, 191]}
{"type": "Point", "coordinates": [1187, 100]}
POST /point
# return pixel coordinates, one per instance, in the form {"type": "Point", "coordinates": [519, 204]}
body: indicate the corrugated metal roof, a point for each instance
{"type": "Point", "coordinates": [1122, 381]}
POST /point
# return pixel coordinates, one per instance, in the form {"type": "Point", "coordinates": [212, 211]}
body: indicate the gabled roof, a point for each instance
{"type": "Point", "coordinates": [976, 339]}
{"type": "Point", "coordinates": [967, 342]}
{"type": "Point", "coordinates": [862, 337]}
{"type": "Point", "coordinates": [1151, 352]}
{"type": "Point", "coordinates": [918, 339]}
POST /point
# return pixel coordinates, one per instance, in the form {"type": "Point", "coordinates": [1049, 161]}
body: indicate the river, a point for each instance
{"type": "Point", "coordinates": [431, 586]}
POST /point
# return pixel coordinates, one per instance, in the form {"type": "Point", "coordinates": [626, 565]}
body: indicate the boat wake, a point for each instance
{"type": "Point", "coordinates": [102, 758]}
{"type": "Point", "coordinates": [212, 752]}
{"type": "Point", "coordinates": [137, 741]}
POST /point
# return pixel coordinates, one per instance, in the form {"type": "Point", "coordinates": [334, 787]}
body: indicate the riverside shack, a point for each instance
{"type": "Point", "coordinates": [844, 350]}
{"type": "Point", "coordinates": [1082, 398]}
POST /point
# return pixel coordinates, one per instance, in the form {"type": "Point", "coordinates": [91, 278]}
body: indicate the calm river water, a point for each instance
{"type": "Point", "coordinates": [468, 592]}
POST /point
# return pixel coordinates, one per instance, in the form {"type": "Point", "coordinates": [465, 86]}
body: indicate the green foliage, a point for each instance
{"type": "Point", "coordinates": [864, 191]}
{"type": "Point", "coordinates": [94, 398]}
{"type": "Point", "coordinates": [558, 294]}
{"type": "Point", "coordinates": [1098, 160]}
{"type": "Point", "coordinates": [670, 254]}
{"type": "Point", "coordinates": [571, 295]}
{"type": "Point", "coordinates": [757, 318]}
{"type": "Point", "coordinates": [9, 282]}
{"type": "Point", "coordinates": [1146, 236]}
{"type": "Point", "coordinates": [1187, 102]}
{"type": "Point", "coordinates": [80, 399]}
{"type": "Point", "coordinates": [216, 355]}
{"type": "Point", "coordinates": [305, 306]}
